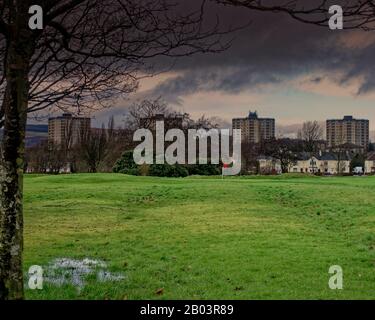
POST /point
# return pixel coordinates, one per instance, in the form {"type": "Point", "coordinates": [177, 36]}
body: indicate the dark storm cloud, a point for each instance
{"type": "Point", "coordinates": [274, 48]}
{"type": "Point", "coordinates": [363, 66]}
{"type": "Point", "coordinates": [316, 80]}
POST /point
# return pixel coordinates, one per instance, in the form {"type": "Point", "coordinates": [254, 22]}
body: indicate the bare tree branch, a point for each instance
{"type": "Point", "coordinates": [91, 52]}
{"type": "Point", "coordinates": [358, 14]}
{"type": "Point", "coordinates": [310, 134]}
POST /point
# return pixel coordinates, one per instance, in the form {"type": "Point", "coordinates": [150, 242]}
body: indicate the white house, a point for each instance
{"type": "Point", "coordinates": [327, 163]}
{"type": "Point", "coordinates": [370, 164]}
{"type": "Point", "coordinates": [305, 164]}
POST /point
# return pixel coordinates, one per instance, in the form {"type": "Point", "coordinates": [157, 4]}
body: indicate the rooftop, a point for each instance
{"type": "Point", "coordinates": [371, 156]}
{"type": "Point", "coordinates": [324, 156]}
{"type": "Point", "coordinates": [348, 118]}
{"type": "Point", "coordinates": [253, 116]}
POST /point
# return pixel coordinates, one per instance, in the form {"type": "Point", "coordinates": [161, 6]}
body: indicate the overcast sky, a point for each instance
{"type": "Point", "coordinates": [277, 66]}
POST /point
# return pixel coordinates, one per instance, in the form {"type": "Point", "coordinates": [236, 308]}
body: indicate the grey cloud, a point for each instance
{"type": "Point", "coordinates": [273, 49]}
{"type": "Point", "coordinates": [316, 80]}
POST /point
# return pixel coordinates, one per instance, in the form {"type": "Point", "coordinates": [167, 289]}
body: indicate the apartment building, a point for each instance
{"type": "Point", "coordinates": [348, 131]}
{"type": "Point", "coordinates": [255, 129]}
{"type": "Point", "coordinates": [66, 129]}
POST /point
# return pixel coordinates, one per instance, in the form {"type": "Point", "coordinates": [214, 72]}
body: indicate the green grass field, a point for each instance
{"type": "Point", "coordinates": [204, 238]}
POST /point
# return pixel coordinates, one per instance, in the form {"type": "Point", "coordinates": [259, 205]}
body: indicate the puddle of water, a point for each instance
{"type": "Point", "coordinates": [63, 271]}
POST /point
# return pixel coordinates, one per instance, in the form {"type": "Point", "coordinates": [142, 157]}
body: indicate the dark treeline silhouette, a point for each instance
{"type": "Point", "coordinates": [98, 149]}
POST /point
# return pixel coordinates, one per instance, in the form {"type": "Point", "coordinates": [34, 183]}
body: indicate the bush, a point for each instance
{"type": "Point", "coordinates": [126, 164]}
{"type": "Point", "coordinates": [204, 169]}
{"type": "Point", "coordinates": [166, 170]}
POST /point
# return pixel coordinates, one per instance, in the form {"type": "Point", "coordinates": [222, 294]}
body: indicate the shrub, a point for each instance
{"type": "Point", "coordinates": [204, 169]}
{"type": "Point", "coordinates": [126, 164]}
{"type": "Point", "coordinates": [166, 170]}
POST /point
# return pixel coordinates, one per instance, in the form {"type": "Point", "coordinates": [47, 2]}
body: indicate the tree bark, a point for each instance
{"type": "Point", "coordinates": [12, 159]}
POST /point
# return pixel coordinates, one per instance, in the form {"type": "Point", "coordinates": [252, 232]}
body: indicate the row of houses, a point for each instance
{"type": "Point", "coordinates": [323, 163]}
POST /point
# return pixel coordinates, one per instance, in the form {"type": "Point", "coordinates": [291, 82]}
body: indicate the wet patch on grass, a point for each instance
{"type": "Point", "coordinates": [66, 271]}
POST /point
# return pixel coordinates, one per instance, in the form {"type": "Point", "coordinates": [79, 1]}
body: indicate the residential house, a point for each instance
{"type": "Point", "coordinates": [370, 164]}
{"type": "Point", "coordinates": [322, 163]}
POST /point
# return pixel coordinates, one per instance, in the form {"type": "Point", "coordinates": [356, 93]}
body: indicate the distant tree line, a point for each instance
{"type": "Point", "coordinates": [109, 148]}
{"type": "Point", "coordinates": [95, 149]}
{"type": "Point", "coordinates": [103, 149]}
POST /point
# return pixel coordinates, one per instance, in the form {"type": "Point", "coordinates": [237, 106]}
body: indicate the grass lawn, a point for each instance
{"type": "Point", "coordinates": [204, 238]}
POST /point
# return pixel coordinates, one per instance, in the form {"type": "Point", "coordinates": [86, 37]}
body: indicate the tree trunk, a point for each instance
{"type": "Point", "coordinates": [12, 165]}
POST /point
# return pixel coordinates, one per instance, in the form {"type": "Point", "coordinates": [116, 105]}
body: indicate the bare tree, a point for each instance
{"type": "Point", "coordinates": [250, 154]}
{"type": "Point", "coordinates": [119, 140]}
{"type": "Point", "coordinates": [95, 145]}
{"type": "Point", "coordinates": [56, 160]}
{"type": "Point", "coordinates": [92, 146]}
{"type": "Point", "coordinates": [310, 134]}
{"type": "Point", "coordinates": [341, 149]}
{"type": "Point", "coordinates": [141, 114]}
{"type": "Point", "coordinates": [205, 123]}
{"type": "Point", "coordinates": [358, 14]}
{"type": "Point", "coordinates": [37, 157]}
{"type": "Point", "coordinates": [284, 150]}
{"type": "Point", "coordinates": [88, 53]}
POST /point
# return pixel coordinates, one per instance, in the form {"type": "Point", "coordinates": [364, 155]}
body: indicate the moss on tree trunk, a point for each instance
{"type": "Point", "coordinates": [11, 167]}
